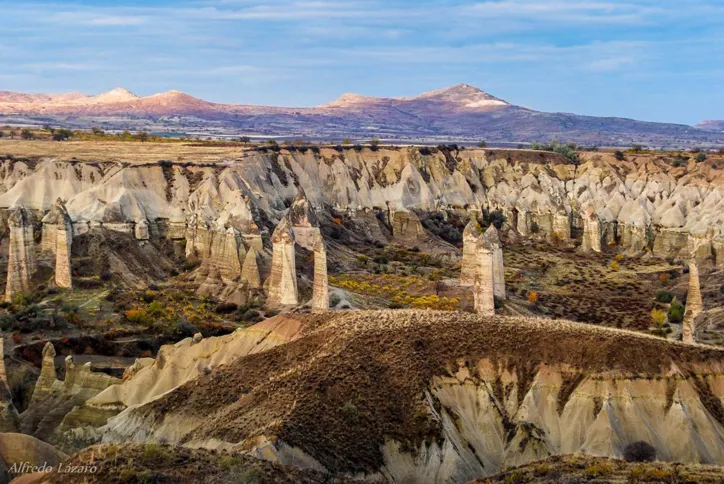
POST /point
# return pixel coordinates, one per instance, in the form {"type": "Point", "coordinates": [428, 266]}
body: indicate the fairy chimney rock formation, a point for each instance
{"type": "Point", "coordinates": [21, 253]}
{"type": "Point", "coordinates": [591, 231]}
{"type": "Point", "coordinates": [47, 377]}
{"type": "Point", "coordinates": [250, 270]}
{"type": "Point", "coordinates": [304, 221]}
{"type": "Point", "coordinates": [3, 373]}
{"type": "Point", "coordinates": [493, 241]}
{"type": "Point", "coordinates": [283, 278]}
{"type": "Point", "coordinates": [468, 269]}
{"type": "Point", "coordinates": [320, 290]}
{"type": "Point", "coordinates": [694, 305]}
{"type": "Point", "coordinates": [484, 285]}
{"type": "Point", "coordinates": [693, 299]}
{"type": "Point", "coordinates": [63, 243]}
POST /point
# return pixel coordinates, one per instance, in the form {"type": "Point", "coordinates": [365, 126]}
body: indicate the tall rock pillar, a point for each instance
{"type": "Point", "coordinates": [694, 305]}
{"type": "Point", "coordinates": [320, 290]}
{"type": "Point", "coordinates": [469, 265]}
{"type": "Point", "coordinates": [492, 239]}
{"type": "Point", "coordinates": [47, 377]}
{"type": "Point", "coordinates": [21, 254]}
{"type": "Point", "coordinates": [283, 278]}
{"type": "Point", "coordinates": [63, 243]}
{"type": "Point", "coordinates": [484, 285]}
{"type": "Point", "coordinates": [3, 373]}
{"type": "Point", "coordinates": [591, 232]}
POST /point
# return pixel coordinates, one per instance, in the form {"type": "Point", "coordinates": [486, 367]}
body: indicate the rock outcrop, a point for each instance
{"type": "Point", "coordinates": [694, 305]}
{"type": "Point", "coordinates": [320, 289]}
{"type": "Point", "coordinates": [282, 284]}
{"type": "Point", "coordinates": [21, 253]}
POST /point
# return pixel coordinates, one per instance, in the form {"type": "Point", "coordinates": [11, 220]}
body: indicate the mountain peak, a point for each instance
{"type": "Point", "coordinates": [117, 95]}
{"type": "Point", "coordinates": [349, 99]}
{"type": "Point", "coordinates": [463, 95]}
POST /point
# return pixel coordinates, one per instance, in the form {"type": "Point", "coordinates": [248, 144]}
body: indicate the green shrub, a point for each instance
{"type": "Point", "coordinates": [676, 312]}
{"type": "Point", "coordinates": [701, 157]}
{"type": "Point", "coordinates": [334, 299]}
{"type": "Point", "coordinates": [664, 296]}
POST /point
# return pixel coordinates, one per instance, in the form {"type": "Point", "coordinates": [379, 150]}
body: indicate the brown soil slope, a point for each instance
{"type": "Point", "coordinates": [360, 378]}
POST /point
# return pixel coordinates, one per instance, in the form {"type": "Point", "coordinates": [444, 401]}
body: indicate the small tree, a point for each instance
{"type": "Point", "coordinates": [244, 139]}
{"type": "Point", "coordinates": [97, 131]}
{"type": "Point", "coordinates": [375, 144]}
{"type": "Point", "coordinates": [49, 128]}
{"type": "Point", "coordinates": [2, 133]}
{"type": "Point", "coordinates": [142, 136]}
{"type": "Point", "coordinates": [482, 144]}
{"type": "Point", "coordinates": [701, 157]}
{"type": "Point", "coordinates": [637, 148]}
{"type": "Point", "coordinates": [347, 141]}
{"type": "Point", "coordinates": [619, 155]}
{"type": "Point", "coordinates": [13, 134]}
{"type": "Point", "coordinates": [26, 134]}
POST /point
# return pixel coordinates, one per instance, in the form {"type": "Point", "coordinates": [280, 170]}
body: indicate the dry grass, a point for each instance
{"type": "Point", "coordinates": [581, 468]}
{"type": "Point", "coordinates": [115, 151]}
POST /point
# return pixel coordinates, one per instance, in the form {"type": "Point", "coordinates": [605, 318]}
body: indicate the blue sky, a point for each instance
{"type": "Point", "coordinates": [660, 60]}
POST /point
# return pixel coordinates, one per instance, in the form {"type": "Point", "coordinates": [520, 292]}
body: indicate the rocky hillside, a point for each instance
{"type": "Point", "coordinates": [643, 203]}
{"type": "Point", "coordinates": [444, 397]}
{"type": "Point", "coordinates": [460, 112]}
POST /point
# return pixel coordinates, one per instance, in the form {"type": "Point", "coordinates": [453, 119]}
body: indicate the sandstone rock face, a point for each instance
{"type": "Point", "coordinates": [283, 279]}
{"type": "Point", "coordinates": [320, 290]}
{"type": "Point", "coordinates": [250, 270]}
{"type": "Point", "coordinates": [21, 253]}
{"type": "Point", "coordinates": [186, 360]}
{"type": "Point", "coordinates": [591, 232]}
{"type": "Point", "coordinates": [694, 305]}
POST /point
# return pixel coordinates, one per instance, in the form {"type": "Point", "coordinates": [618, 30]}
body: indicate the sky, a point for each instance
{"type": "Point", "coordinates": [658, 60]}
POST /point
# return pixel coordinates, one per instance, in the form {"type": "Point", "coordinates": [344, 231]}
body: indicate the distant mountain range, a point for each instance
{"type": "Point", "coordinates": [462, 113]}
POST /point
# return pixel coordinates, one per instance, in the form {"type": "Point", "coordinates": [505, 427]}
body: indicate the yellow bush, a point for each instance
{"type": "Point", "coordinates": [658, 317]}
{"type": "Point", "coordinates": [615, 266]}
